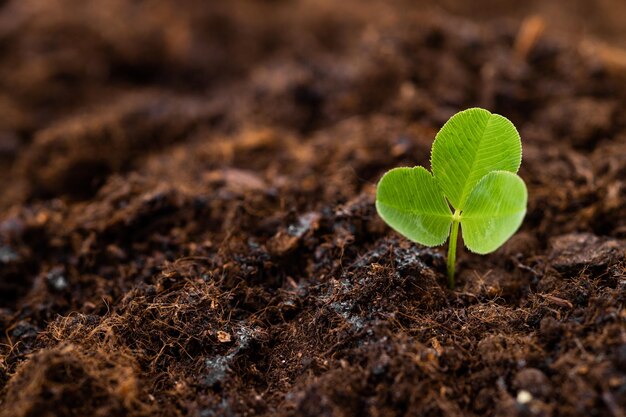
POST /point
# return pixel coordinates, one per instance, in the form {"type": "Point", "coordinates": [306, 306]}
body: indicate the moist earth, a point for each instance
{"type": "Point", "coordinates": [187, 224]}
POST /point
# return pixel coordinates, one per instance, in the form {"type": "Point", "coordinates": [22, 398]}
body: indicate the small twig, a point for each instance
{"type": "Point", "coordinates": [530, 32]}
{"type": "Point", "coordinates": [558, 301]}
{"type": "Point", "coordinates": [614, 58]}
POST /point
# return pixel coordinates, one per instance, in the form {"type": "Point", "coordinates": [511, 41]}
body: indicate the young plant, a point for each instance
{"type": "Point", "coordinates": [474, 160]}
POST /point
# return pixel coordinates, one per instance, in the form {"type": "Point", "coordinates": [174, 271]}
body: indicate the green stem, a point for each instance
{"type": "Point", "coordinates": [456, 220]}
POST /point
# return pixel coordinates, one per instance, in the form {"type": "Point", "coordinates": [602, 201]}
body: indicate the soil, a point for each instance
{"type": "Point", "coordinates": [187, 224]}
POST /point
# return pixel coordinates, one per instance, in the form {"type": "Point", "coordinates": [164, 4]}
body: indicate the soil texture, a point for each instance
{"type": "Point", "coordinates": [187, 224]}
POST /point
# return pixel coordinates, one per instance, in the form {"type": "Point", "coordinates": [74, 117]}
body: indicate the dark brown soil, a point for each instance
{"type": "Point", "coordinates": [187, 224]}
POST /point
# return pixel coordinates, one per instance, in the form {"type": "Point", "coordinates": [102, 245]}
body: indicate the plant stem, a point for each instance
{"type": "Point", "coordinates": [456, 220]}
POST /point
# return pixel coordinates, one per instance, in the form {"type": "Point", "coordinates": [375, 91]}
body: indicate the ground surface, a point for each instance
{"type": "Point", "coordinates": [187, 222]}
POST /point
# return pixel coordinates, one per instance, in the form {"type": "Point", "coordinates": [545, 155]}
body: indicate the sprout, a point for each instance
{"type": "Point", "coordinates": [474, 159]}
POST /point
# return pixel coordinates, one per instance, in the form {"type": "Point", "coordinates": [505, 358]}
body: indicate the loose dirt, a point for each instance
{"type": "Point", "coordinates": [187, 224]}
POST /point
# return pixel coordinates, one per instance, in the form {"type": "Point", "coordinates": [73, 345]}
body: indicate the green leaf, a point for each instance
{"type": "Point", "coordinates": [494, 211]}
{"type": "Point", "coordinates": [471, 144]}
{"type": "Point", "coordinates": [410, 201]}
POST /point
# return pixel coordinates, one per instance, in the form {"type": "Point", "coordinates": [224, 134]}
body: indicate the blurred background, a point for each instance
{"type": "Point", "coordinates": [61, 59]}
{"type": "Point", "coordinates": [602, 19]}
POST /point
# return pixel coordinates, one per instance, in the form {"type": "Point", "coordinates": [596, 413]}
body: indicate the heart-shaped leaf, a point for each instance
{"type": "Point", "coordinates": [471, 144]}
{"type": "Point", "coordinates": [494, 211]}
{"type": "Point", "coordinates": [474, 160]}
{"type": "Point", "coordinates": [410, 201]}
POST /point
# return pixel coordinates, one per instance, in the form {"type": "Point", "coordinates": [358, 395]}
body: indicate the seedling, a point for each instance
{"type": "Point", "coordinates": [474, 160]}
